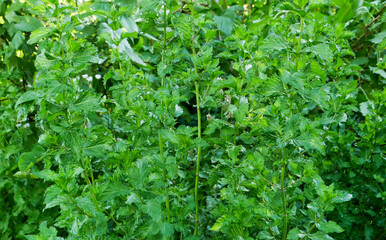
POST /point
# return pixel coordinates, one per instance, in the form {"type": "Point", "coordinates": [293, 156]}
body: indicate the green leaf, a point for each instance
{"type": "Point", "coordinates": [100, 150]}
{"type": "Point", "coordinates": [140, 173]}
{"type": "Point", "coordinates": [330, 227]}
{"type": "Point", "coordinates": [128, 23]}
{"type": "Point", "coordinates": [184, 28]}
{"type": "Point", "coordinates": [321, 50]}
{"type": "Point", "coordinates": [85, 203]}
{"type": "Point", "coordinates": [320, 236]}
{"type": "Point", "coordinates": [132, 198]}
{"type": "Point", "coordinates": [28, 24]}
{"type": "Point", "coordinates": [114, 190]}
{"type": "Point", "coordinates": [18, 39]}
{"type": "Point", "coordinates": [258, 161]}
{"type": "Point", "coordinates": [149, 5]}
{"type": "Point", "coordinates": [125, 48]}
{"type": "Point", "coordinates": [265, 235]}
{"type": "Point", "coordinates": [301, 3]}
{"type": "Point", "coordinates": [27, 159]}
{"type": "Point", "coordinates": [318, 70]}
{"type": "Point", "coordinates": [316, 3]}
{"type": "Point", "coordinates": [43, 62]}
{"type": "Point", "coordinates": [295, 234]}
{"type": "Point", "coordinates": [87, 103]}
{"type": "Point", "coordinates": [382, 73]}
{"type": "Point", "coordinates": [153, 209]}
{"type": "Point", "coordinates": [273, 42]}
{"type": "Point", "coordinates": [178, 111]}
{"type": "Point", "coordinates": [369, 231]}
{"type": "Point", "coordinates": [312, 141]}
{"type": "Point", "coordinates": [46, 174]}
{"type": "Point", "coordinates": [166, 230]}
{"type": "Point", "coordinates": [294, 80]}
{"type": "Point", "coordinates": [342, 197]}
{"type": "Point", "coordinates": [379, 37]}
{"type": "Point", "coordinates": [29, 96]}
{"type": "Point", "coordinates": [366, 107]}
{"type": "Point", "coordinates": [38, 34]}
{"type": "Point", "coordinates": [53, 197]}
{"type": "Point", "coordinates": [45, 233]}
{"type": "Point", "coordinates": [215, 124]}
{"type": "Point", "coordinates": [216, 227]}
{"type": "Point", "coordinates": [242, 110]}
{"type": "Point", "coordinates": [169, 135]}
{"type": "Point", "coordinates": [224, 24]}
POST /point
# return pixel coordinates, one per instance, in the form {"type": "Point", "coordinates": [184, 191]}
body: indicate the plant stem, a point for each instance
{"type": "Point", "coordinates": [198, 131]}
{"type": "Point", "coordinates": [167, 203]}
{"type": "Point", "coordinates": [377, 16]}
{"type": "Point", "coordinates": [165, 26]}
{"type": "Point", "coordinates": [134, 187]}
{"type": "Point", "coordinates": [91, 186]}
{"type": "Point", "coordinates": [238, 107]}
{"type": "Point", "coordinates": [242, 16]}
{"type": "Point", "coordinates": [164, 45]}
{"type": "Point", "coordinates": [317, 221]}
{"type": "Point", "coordinates": [161, 148]}
{"type": "Point", "coordinates": [299, 41]}
{"type": "Point", "coordinates": [284, 236]}
{"type": "Point", "coordinates": [198, 159]}
{"type": "Point", "coordinates": [273, 185]}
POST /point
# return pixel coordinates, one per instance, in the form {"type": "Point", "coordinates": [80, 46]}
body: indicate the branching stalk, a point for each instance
{"type": "Point", "coordinates": [273, 185]}
{"type": "Point", "coordinates": [312, 227]}
{"type": "Point", "coordinates": [91, 186]}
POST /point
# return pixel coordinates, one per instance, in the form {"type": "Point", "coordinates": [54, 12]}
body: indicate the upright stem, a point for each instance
{"type": "Point", "coordinates": [161, 148]}
{"type": "Point", "coordinates": [198, 132]}
{"type": "Point", "coordinates": [198, 159]}
{"type": "Point", "coordinates": [283, 199]}
{"type": "Point", "coordinates": [238, 106]}
{"type": "Point", "coordinates": [164, 45]}
{"type": "Point", "coordinates": [167, 203]}
{"type": "Point", "coordinates": [299, 41]}
{"type": "Point", "coordinates": [165, 25]}
{"type": "Point", "coordinates": [242, 16]}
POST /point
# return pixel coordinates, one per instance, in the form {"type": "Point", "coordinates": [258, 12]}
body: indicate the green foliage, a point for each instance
{"type": "Point", "coordinates": [103, 103]}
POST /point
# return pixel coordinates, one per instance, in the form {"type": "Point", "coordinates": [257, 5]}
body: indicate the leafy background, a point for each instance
{"type": "Point", "coordinates": [151, 119]}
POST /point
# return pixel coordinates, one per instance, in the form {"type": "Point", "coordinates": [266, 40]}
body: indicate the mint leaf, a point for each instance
{"type": "Point", "coordinates": [38, 34]}
{"type": "Point", "coordinates": [85, 203]}
{"type": "Point", "coordinates": [330, 227]}
{"type": "Point", "coordinates": [321, 50]}
{"type": "Point", "coordinates": [28, 24]}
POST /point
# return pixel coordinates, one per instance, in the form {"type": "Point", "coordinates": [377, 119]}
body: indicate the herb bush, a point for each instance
{"type": "Point", "coordinates": [232, 119]}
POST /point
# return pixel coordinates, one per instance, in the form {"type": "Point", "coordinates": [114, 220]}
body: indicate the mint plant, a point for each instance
{"type": "Point", "coordinates": [192, 119]}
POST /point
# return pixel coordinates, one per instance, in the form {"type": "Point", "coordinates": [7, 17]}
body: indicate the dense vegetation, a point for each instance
{"type": "Point", "coordinates": [221, 119]}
